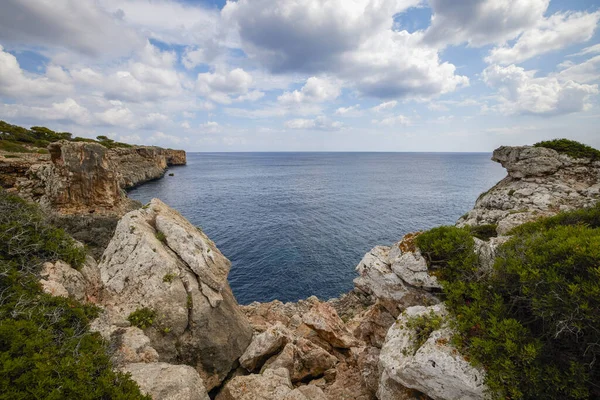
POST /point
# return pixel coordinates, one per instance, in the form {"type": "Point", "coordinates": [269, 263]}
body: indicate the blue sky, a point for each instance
{"type": "Point", "coordinates": [305, 75]}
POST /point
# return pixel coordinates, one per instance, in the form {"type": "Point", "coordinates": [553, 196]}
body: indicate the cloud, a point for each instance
{"type": "Point", "coordinates": [320, 123]}
{"type": "Point", "coordinates": [78, 25]}
{"type": "Point", "coordinates": [68, 111]}
{"type": "Point", "coordinates": [388, 105]}
{"type": "Point", "coordinates": [254, 95]}
{"type": "Point", "coordinates": [217, 86]}
{"type": "Point", "coordinates": [587, 71]}
{"type": "Point", "coordinates": [351, 111]}
{"type": "Point", "coordinates": [481, 22]}
{"type": "Point", "coordinates": [554, 33]}
{"type": "Point", "coordinates": [392, 121]}
{"type": "Point", "coordinates": [520, 92]}
{"type": "Point", "coordinates": [349, 40]}
{"type": "Point", "coordinates": [210, 127]}
{"type": "Point", "coordinates": [595, 49]}
{"type": "Point", "coordinates": [316, 90]}
{"type": "Point", "coordinates": [15, 83]}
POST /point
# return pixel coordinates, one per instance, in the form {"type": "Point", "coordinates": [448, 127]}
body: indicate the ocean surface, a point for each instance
{"type": "Point", "coordinates": [297, 224]}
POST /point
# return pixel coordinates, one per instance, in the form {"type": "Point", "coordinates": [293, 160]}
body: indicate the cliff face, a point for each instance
{"type": "Point", "coordinates": [540, 182]}
{"type": "Point", "coordinates": [137, 165]}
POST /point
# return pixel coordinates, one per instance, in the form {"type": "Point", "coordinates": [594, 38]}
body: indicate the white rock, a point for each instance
{"type": "Point", "coordinates": [436, 368]}
{"type": "Point", "coordinates": [412, 269]}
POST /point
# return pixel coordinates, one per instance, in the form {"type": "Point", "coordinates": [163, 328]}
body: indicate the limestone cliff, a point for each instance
{"type": "Point", "coordinates": [540, 182]}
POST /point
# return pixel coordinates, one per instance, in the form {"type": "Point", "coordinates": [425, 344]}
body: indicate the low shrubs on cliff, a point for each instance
{"type": "Point", "coordinates": [534, 323]}
{"type": "Point", "coordinates": [571, 148]}
{"type": "Point", "coordinates": [46, 348]}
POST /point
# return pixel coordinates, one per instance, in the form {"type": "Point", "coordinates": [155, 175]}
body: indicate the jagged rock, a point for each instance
{"type": "Point", "coordinates": [348, 384]}
{"type": "Point", "coordinates": [377, 279]}
{"type": "Point", "coordinates": [166, 381]}
{"type": "Point", "coordinates": [272, 384]}
{"type": "Point", "coordinates": [263, 315]}
{"type": "Point", "coordinates": [308, 392]}
{"type": "Point", "coordinates": [130, 345]}
{"type": "Point", "coordinates": [435, 368]}
{"type": "Point", "coordinates": [389, 389]}
{"type": "Point", "coordinates": [368, 365]}
{"type": "Point", "coordinates": [540, 182]}
{"type": "Point", "coordinates": [60, 279]}
{"type": "Point", "coordinates": [412, 268]}
{"type": "Point", "coordinates": [198, 321]}
{"type": "Point", "coordinates": [263, 346]}
{"type": "Point", "coordinates": [324, 320]}
{"type": "Point", "coordinates": [372, 325]}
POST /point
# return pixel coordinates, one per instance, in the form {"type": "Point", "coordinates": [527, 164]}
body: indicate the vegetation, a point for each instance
{"type": "Point", "coordinates": [534, 323]}
{"type": "Point", "coordinates": [17, 139]}
{"type": "Point", "coordinates": [46, 349]}
{"type": "Point", "coordinates": [161, 236]}
{"type": "Point", "coordinates": [168, 278]}
{"type": "Point", "coordinates": [423, 325]}
{"type": "Point", "coordinates": [142, 318]}
{"type": "Point", "coordinates": [571, 148]}
{"type": "Point", "coordinates": [484, 232]}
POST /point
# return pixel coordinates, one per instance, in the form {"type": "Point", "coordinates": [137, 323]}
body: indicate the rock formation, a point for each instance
{"type": "Point", "coordinates": [540, 182]}
{"type": "Point", "coordinates": [157, 260]}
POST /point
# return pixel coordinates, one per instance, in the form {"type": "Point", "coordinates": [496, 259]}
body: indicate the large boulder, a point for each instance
{"type": "Point", "coordinates": [324, 320]}
{"type": "Point", "coordinates": [435, 368]}
{"type": "Point", "coordinates": [167, 382]}
{"type": "Point", "coordinates": [160, 264]}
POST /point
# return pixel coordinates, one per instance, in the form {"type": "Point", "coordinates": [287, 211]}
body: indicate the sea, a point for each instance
{"type": "Point", "coordinates": [297, 224]}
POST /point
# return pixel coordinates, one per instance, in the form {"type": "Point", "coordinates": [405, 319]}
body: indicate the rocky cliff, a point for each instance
{"type": "Point", "coordinates": [540, 182]}
{"type": "Point", "coordinates": [174, 324]}
{"type": "Point", "coordinates": [81, 184]}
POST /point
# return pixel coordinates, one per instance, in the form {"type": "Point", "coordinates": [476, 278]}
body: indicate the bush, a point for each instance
{"type": "Point", "coordinates": [534, 323]}
{"type": "Point", "coordinates": [142, 318]}
{"type": "Point", "coordinates": [423, 325]}
{"type": "Point", "coordinates": [46, 349]}
{"type": "Point", "coordinates": [571, 148]}
{"type": "Point", "coordinates": [451, 250]}
{"type": "Point", "coordinates": [484, 232]}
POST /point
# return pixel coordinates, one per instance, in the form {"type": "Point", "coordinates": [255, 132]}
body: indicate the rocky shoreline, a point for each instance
{"type": "Point", "coordinates": [175, 326]}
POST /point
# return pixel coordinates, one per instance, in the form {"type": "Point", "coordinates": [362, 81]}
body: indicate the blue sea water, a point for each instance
{"type": "Point", "coordinates": [297, 224]}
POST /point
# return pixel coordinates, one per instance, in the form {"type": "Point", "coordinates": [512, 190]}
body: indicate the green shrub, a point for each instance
{"type": "Point", "coordinates": [13, 147]}
{"type": "Point", "coordinates": [451, 250]}
{"type": "Point", "coordinates": [534, 323]}
{"type": "Point", "coordinates": [571, 148]}
{"type": "Point", "coordinates": [423, 325]}
{"type": "Point", "coordinates": [46, 348]}
{"type": "Point", "coordinates": [169, 278]}
{"type": "Point", "coordinates": [142, 318]}
{"type": "Point", "coordinates": [161, 236]}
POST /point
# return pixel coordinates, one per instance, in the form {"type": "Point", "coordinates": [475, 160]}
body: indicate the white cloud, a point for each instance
{"type": "Point", "coordinates": [595, 49]}
{"type": "Point", "coordinates": [587, 71]}
{"type": "Point", "coordinates": [351, 111]}
{"type": "Point", "coordinates": [217, 86]}
{"type": "Point", "coordinates": [67, 111]}
{"type": "Point", "coordinates": [554, 33]}
{"type": "Point", "coordinates": [165, 139]}
{"type": "Point", "coordinates": [392, 121]}
{"type": "Point", "coordinates": [316, 90]}
{"type": "Point", "coordinates": [349, 40]}
{"type": "Point", "coordinates": [388, 105]}
{"type": "Point", "coordinates": [481, 22]}
{"type": "Point", "coordinates": [15, 83]}
{"type": "Point", "coordinates": [210, 127]}
{"type": "Point", "coordinates": [117, 116]}
{"type": "Point", "coordinates": [254, 95]}
{"type": "Point", "coordinates": [520, 92]}
{"type": "Point", "coordinates": [79, 25]}
{"type": "Point", "coordinates": [320, 123]}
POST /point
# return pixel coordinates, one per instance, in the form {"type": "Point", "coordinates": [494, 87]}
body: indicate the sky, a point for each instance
{"type": "Point", "coordinates": [305, 75]}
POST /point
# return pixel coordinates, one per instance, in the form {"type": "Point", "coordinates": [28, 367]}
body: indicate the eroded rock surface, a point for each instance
{"type": "Point", "coordinates": [540, 182]}
{"type": "Point", "coordinates": [159, 261]}
{"type": "Point", "coordinates": [434, 368]}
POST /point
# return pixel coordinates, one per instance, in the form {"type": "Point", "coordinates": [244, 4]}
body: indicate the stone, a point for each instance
{"type": "Point", "coordinates": [273, 384]}
{"type": "Point", "coordinates": [308, 392]}
{"type": "Point", "coordinates": [140, 269]}
{"type": "Point", "coordinates": [324, 320]}
{"type": "Point", "coordinates": [164, 381]}
{"type": "Point", "coordinates": [378, 280]}
{"type": "Point", "coordinates": [372, 325]}
{"type": "Point", "coordinates": [435, 368]}
{"type": "Point", "coordinates": [411, 267]}
{"type": "Point", "coordinates": [130, 345]}
{"type": "Point", "coordinates": [263, 346]}
{"type": "Point", "coordinates": [60, 279]}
